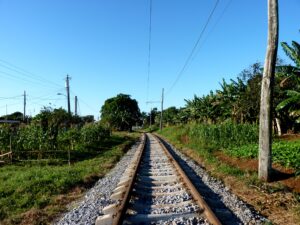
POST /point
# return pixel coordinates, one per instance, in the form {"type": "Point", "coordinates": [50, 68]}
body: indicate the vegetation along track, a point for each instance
{"type": "Point", "coordinates": [156, 190]}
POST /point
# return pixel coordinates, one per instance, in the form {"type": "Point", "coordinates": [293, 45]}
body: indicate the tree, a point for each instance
{"type": "Point", "coordinates": [14, 116]}
{"type": "Point", "coordinates": [265, 120]}
{"type": "Point", "coordinates": [289, 82]}
{"type": "Point", "coordinates": [170, 115]}
{"type": "Point", "coordinates": [250, 100]}
{"type": "Point", "coordinates": [120, 112]}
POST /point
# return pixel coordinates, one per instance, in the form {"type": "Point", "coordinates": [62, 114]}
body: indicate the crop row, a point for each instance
{"type": "Point", "coordinates": [35, 138]}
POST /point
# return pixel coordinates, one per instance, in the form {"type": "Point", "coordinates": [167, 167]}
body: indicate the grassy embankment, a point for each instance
{"type": "Point", "coordinates": [36, 193]}
{"type": "Point", "coordinates": [205, 144]}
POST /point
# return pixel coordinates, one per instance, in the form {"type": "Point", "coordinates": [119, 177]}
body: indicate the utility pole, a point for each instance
{"type": "Point", "coordinates": [150, 117]}
{"type": "Point", "coordinates": [76, 100]}
{"type": "Point", "coordinates": [68, 93]}
{"type": "Point", "coordinates": [265, 118]}
{"type": "Point", "coordinates": [24, 109]}
{"type": "Point", "coordinates": [162, 108]}
{"type": "Point", "coordinates": [151, 102]}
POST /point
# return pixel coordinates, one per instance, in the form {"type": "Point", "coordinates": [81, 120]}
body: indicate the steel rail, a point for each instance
{"type": "Point", "coordinates": [212, 218]}
{"type": "Point", "coordinates": [118, 219]}
{"type": "Point", "coordinates": [120, 208]}
{"type": "Point", "coordinates": [117, 211]}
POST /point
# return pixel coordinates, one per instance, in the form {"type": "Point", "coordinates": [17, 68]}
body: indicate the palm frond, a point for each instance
{"type": "Point", "coordinates": [293, 93]}
{"type": "Point", "coordinates": [296, 46]}
{"type": "Point", "coordinates": [295, 113]}
{"type": "Point", "coordinates": [290, 52]}
{"type": "Point", "coordinates": [287, 103]}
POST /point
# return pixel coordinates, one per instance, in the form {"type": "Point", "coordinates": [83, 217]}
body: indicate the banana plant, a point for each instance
{"type": "Point", "coordinates": [291, 74]}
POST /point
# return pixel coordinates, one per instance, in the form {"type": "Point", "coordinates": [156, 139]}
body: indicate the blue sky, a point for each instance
{"type": "Point", "coordinates": [103, 46]}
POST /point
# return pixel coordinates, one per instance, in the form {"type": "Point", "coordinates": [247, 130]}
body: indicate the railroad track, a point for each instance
{"type": "Point", "coordinates": [155, 190]}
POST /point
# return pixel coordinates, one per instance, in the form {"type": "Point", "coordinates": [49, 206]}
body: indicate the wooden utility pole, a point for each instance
{"type": "Point", "coordinates": [68, 93]}
{"type": "Point", "coordinates": [162, 108]}
{"type": "Point", "coordinates": [76, 100]}
{"type": "Point", "coordinates": [150, 122]}
{"type": "Point", "coordinates": [24, 109]}
{"type": "Point", "coordinates": [265, 118]}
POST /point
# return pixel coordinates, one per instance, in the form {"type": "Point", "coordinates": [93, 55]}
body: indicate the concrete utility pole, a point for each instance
{"type": "Point", "coordinates": [151, 102]}
{"type": "Point", "coordinates": [68, 93]}
{"type": "Point", "coordinates": [265, 117]}
{"type": "Point", "coordinates": [76, 100]}
{"type": "Point", "coordinates": [162, 108]}
{"type": "Point", "coordinates": [150, 117]}
{"type": "Point", "coordinates": [24, 109]}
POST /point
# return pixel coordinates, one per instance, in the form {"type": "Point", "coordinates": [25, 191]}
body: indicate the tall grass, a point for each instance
{"type": "Point", "coordinates": [238, 140]}
{"type": "Point", "coordinates": [216, 136]}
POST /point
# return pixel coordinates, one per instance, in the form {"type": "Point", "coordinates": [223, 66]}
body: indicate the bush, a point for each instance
{"type": "Point", "coordinates": [93, 134]}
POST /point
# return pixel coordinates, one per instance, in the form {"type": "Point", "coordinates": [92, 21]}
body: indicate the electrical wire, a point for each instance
{"type": "Point", "coordinates": [78, 109]}
{"type": "Point", "coordinates": [149, 49]}
{"type": "Point", "coordinates": [13, 97]}
{"type": "Point", "coordinates": [26, 73]}
{"type": "Point", "coordinates": [91, 108]}
{"type": "Point", "coordinates": [17, 78]}
{"type": "Point", "coordinates": [46, 95]}
{"type": "Point", "coordinates": [193, 49]}
{"type": "Point", "coordinates": [85, 103]}
{"type": "Point", "coordinates": [213, 27]}
{"type": "Point", "coordinates": [3, 106]}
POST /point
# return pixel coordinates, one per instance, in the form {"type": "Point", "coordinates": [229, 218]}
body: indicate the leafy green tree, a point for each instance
{"type": "Point", "coordinates": [120, 112]}
{"type": "Point", "coordinates": [249, 100]}
{"type": "Point", "coordinates": [170, 115]}
{"type": "Point", "coordinates": [88, 119]}
{"type": "Point", "coordinates": [288, 77]}
{"type": "Point", "coordinates": [14, 116]}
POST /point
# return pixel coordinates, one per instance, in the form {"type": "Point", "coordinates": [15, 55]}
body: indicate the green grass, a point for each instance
{"type": "Point", "coordinates": [35, 186]}
{"type": "Point", "coordinates": [181, 138]}
{"type": "Point", "coordinates": [284, 152]}
{"type": "Point", "coordinates": [234, 139]}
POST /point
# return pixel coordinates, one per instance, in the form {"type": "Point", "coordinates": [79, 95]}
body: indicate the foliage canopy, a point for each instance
{"type": "Point", "coordinates": [120, 112]}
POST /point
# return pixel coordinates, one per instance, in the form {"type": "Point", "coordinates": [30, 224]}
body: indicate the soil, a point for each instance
{"type": "Point", "coordinates": [278, 200]}
{"type": "Point", "coordinates": [284, 176]}
{"type": "Point", "coordinates": [279, 205]}
{"type": "Point", "coordinates": [289, 137]}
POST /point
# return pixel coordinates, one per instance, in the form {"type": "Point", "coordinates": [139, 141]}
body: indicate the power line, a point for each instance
{"type": "Point", "coordinates": [12, 97]}
{"type": "Point", "coordinates": [85, 103]}
{"type": "Point", "coordinates": [194, 48]}
{"type": "Point", "coordinates": [46, 95]}
{"type": "Point", "coordinates": [17, 78]}
{"type": "Point", "coordinates": [214, 26]}
{"type": "Point", "coordinates": [26, 73]}
{"type": "Point", "coordinates": [149, 49]}
{"type": "Point", "coordinates": [3, 106]}
{"type": "Point", "coordinates": [79, 111]}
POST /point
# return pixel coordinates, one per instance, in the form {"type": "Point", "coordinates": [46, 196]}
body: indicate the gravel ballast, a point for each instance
{"type": "Point", "coordinates": [86, 211]}
{"type": "Point", "coordinates": [228, 205]}
{"type": "Point", "coordinates": [237, 211]}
